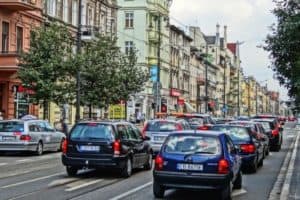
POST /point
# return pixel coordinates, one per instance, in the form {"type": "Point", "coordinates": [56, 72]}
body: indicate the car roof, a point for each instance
{"type": "Point", "coordinates": [20, 120]}
{"type": "Point", "coordinates": [263, 119]}
{"type": "Point", "coordinates": [197, 132]}
{"type": "Point", "coordinates": [164, 120]}
{"type": "Point", "coordinates": [104, 122]}
{"type": "Point", "coordinates": [230, 125]}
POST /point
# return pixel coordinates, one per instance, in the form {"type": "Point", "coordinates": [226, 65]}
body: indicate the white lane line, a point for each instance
{"type": "Point", "coordinates": [2, 164]}
{"type": "Point", "coordinates": [23, 160]}
{"type": "Point", "coordinates": [290, 136]}
{"type": "Point", "coordinates": [83, 185]}
{"type": "Point", "coordinates": [61, 182]}
{"type": "Point", "coordinates": [288, 178]}
{"type": "Point", "coordinates": [238, 192]}
{"type": "Point", "coordinates": [121, 196]}
{"type": "Point", "coordinates": [29, 181]}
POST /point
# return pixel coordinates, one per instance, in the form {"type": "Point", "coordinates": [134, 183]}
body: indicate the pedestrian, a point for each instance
{"type": "Point", "coordinates": [64, 127]}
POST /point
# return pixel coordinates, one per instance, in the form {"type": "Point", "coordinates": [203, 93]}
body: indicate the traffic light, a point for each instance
{"type": "Point", "coordinates": [164, 108]}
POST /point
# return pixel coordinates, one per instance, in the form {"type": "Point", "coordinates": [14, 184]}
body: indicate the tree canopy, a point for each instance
{"type": "Point", "coordinates": [283, 44]}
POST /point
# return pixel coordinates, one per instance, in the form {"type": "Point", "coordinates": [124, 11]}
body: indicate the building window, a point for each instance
{"type": "Point", "coordinates": [19, 39]}
{"type": "Point", "coordinates": [59, 9]}
{"type": "Point", "coordinates": [5, 37]}
{"type": "Point", "coordinates": [75, 13]}
{"type": "Point", "coordinates": [69, 11]}
{"type": "Point", "coordinates": [129, 20]}
{"type": "Point", "coordinates": [128, 47]}
{"type": "Point", "coordinates": [65, 10]}
{"type": "Point", "coordinates": [90, 16]}
{"type": "Point", "coordinates": [51, 5]}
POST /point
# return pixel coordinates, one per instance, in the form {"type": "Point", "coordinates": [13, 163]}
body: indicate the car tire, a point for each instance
{"type": "Point", "coordinates": [254, 166]}
{"type": "Point", "coordinates": [127, 170]}
{"type": "Point", "coordinates": [261, 162]}
{"type": "Point", "coordinates": [268, 151]}
{"type": "Point", "coordinates": [71, 171]}
{"type": "Point", "coordinates": [237, 184]}
{"type": "Point", "coordinates": [158, 190]}
{"type": "Point", "coordinates": [149, 163]}
{"type": "Point", "coordinates": [225, 194]}
{"type": "Point", "coordinates": [39, 149]}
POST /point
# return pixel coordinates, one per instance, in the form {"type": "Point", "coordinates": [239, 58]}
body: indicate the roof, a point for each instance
{"type": "Point", "coordinates": [198, 132]}
{"type": "Point", "coordinates": [263, 119]}
{"type": "Point", "coordinates": [232, 47]}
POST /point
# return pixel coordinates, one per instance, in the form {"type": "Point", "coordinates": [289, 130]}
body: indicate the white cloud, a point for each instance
{"type": "Point", "coordinates": [247, 20]}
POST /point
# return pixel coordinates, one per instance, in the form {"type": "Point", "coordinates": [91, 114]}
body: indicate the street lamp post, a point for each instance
{"type": "Point", "coordinates": [238, 57]}
{"type": "Point", "coordinates": [78, 44]}
{"type": "Point", "coordinates": [206, 79]}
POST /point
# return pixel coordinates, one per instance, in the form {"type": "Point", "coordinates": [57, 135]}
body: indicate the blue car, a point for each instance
{"type": "Point", "coordinates": [251, 148]}
{"type": "Point", "coordinates": [197, 160]}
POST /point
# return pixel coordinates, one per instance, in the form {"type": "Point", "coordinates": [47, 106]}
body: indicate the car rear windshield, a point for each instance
{"type": "Point", "coordinates": [11, 126]}
{"type": "Point", "coordinates": [195, 120]}
{"type": "Point", "coordinates": [235, 133]}
{"type": "Point", "coordinates": [267, 125]}
{"type": "Point", "coordinates": [92, 131]}
{"type": "Point", "coordinates": [161, 126]}
{"type": "Point", "coordinates": [192, 144]}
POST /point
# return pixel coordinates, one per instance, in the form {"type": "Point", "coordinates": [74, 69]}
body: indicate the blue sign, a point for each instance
{"type": "Point", "coordinates": [225, 109]}
{"type": "Point", "coordinates": [154, 73]}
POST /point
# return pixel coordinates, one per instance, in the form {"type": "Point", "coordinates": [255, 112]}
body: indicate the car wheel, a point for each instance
{"type": "Point", "coordinates": [158, 190]}
{"type": "Point", "coordinates": [148, 164]}
{"type": "Point", "coordinates": [261, 162]}
{"type": "Point", "coordinates": [71, 171]}
{"type": "Point", "coordinates": [254, 165]}
{"type": "Point", "coordinates": [127, 170]}
{"type": "Point", "coordinates": [268, 151]}
{"type": "Point", "coordinates": [225, 194]}
{"type": "Point", "coordinates": [39, 149]}
{"type": "Point", "coordinates": [238, 181]}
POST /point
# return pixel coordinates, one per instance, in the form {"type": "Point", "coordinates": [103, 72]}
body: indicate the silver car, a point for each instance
{"type": "Point", "coordinates": [29, 135]}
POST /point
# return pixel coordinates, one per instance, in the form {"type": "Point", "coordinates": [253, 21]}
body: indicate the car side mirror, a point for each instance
{"type": "Point", "coordinates": [146, 138]}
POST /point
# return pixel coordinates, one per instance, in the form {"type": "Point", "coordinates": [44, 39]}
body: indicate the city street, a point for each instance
{"type": "Point", "coordinates": [30, 177]}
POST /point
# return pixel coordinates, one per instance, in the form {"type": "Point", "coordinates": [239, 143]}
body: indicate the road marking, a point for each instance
{"type": "Point", "coordinates": [121, 196]}
{"type": "Point", "coordinates": [83, 185]}
{"type": "Point", "coordinates": [2, 164]}
{"type": "Point", "coordinates": [238, 192]}
{"type": "Point", "coordinates": [23, 160]}
{"type": "Point", "coordinates": [290, 136]}
{"type": "Point", "coordinates": [29, 181]}
{"type": "Point", "coordinates": [288, 178]}
{"type": "Point", "coordinates": [62, 182]}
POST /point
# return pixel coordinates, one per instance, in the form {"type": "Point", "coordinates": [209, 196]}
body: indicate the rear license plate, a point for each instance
{"type": "Point", "coordinates": [89, 148]}
{"type": "Point", "coordinates": [191, 167]}
{"type": "Point", "coordinates": [7, 138]}
{"type": "Point", "coordinates": [159, 138]}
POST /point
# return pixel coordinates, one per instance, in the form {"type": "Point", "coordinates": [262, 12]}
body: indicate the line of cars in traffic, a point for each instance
{"type": "Point", "coordinates": [190, 151]}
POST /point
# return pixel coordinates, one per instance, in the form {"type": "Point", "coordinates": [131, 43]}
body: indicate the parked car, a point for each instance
{"type": "Point", "coordinates": [198, 121]}
{"type": "Point", "coordinates": [273, 131]}
{"type": "Point", "coordinates": [250, 149]}
{"type": "Point", "coordinates": [29, 135]}
{"type": "Point", "coordinates": [158, 130]}
{"type": "Point", "coordinates": [207, 160]}
{"type": "Point", "coordinates": [106, 145]}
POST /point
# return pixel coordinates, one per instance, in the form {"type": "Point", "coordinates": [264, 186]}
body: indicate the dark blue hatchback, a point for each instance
{"type": "Point", "coordinates": [197, 160]}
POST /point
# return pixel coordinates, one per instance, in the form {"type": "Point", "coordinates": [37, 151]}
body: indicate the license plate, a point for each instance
{"type": "Point", "coordinates": [191, 167]}
{"type": "Point", "coordinates": [8, 138]}
{"type": "Point", "coordinates": [159, 138]}
{"type": "Point", "coordinates": [89, 148]}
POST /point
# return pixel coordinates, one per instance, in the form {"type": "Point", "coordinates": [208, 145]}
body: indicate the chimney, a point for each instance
{"type": "Point", "coordinates": [217, 35]}
{"type": "Point", "coordinates": [225, 36]}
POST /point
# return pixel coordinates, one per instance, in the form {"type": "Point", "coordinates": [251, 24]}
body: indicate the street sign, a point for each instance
{"type": "Point", "coordinates": [154, 73]}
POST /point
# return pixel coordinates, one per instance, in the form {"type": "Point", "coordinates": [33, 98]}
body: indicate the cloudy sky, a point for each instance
{"type": "Point", "coordinates": [247, 20]}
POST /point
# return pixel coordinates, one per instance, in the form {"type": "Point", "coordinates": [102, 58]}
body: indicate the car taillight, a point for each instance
{"type": "Point", "coordinates": [64, 146]}
{"type": "Point", "coordinates": [223, 166]}
{"type": "Point", "coordinates": [203, 128]}
{"type": "Point", "coordinates": [25, 137]}
{"type": "Point", "coordinates": [247, 148]}
{"type": "Point", "coordinates": [275, 132]}
{"type": "Point", "coordinates": [159, 162]}
{"type": "Point", "coordinates": [178, 127]}
{"type": "Point", "coordinates": [117, 147]}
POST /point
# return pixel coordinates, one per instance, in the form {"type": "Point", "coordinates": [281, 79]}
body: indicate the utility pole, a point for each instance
{"type": "Point", "coordinates": [256, 100]}
{"type": "Point", "coordinates": [158, 85]}
{"type": "Point", "coordinates": [249, 106]}
{"type": "Point", "coordinates": [78, 44]}
{"type": "Point", "coordinates": [224, 90]}
{"type": "Point", "coordinates": [206, 78]}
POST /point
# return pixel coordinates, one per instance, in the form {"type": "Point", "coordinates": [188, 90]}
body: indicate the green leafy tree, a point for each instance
{"type": "Point", "coordinates": [46, 68]}
{"type": "Point", "coordinates": [283, 46]}
{"type": "Point", "coordinates": [108, 75]}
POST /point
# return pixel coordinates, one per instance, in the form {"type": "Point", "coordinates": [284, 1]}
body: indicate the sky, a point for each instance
{"type": "Point", "coordinates": [247, 21]}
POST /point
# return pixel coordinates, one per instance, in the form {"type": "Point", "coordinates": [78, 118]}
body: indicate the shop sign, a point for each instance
{"type": "Point", "coordinates": [174, 93]}
{"type": "Point", "coordinates": [117, 111]}
{"type": "Point", "coordinates": [180, 101]}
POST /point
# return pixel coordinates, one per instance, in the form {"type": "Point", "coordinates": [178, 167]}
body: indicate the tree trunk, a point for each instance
{"type": "Point", "coordinates": [45, 109]}
{"type": "Point", "coordinates": [90, 111]}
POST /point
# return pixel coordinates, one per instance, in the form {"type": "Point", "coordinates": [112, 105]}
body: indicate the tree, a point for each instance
{"type": "Point", "coordinates": [283, 44]}
{"type": "Point", "coordinates": [46, 67]}
{"type": "Point", "coordinates": [108, 75]}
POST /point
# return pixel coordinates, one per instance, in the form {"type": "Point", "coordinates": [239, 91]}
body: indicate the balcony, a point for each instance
{"type": "Point", "coordinates": [153, 35]}
{"type": "Point", "coordinates": [9, 61]}
{"type": "Point", "coordinates": [88, 32]}
{"type": "Point", "coordinates": [18, 5]}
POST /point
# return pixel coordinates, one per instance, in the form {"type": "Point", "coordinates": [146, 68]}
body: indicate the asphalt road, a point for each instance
{"type": "Point", "coordinates": [32, 177]}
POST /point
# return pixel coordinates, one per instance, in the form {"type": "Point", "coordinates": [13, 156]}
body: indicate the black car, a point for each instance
{"type": "Point", "coordinates": [198, 121]}
{"type": "Point", "coordinates": [106, 144]}
{"type": "Point", "coordinates": [251, 149]}
{"type": "Point", "coordinates": [274, 132]}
